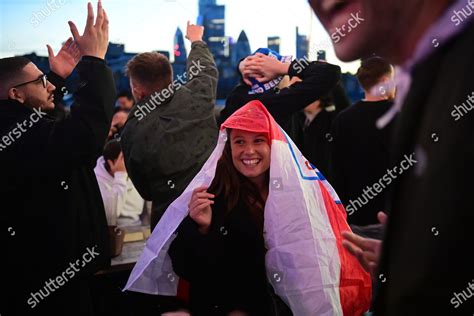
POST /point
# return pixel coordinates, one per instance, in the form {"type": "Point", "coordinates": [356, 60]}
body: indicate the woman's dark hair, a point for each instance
{"type": "Point", "coordinates": [234, 186]}
{"type": "Point", "coordinates": [111, 151]}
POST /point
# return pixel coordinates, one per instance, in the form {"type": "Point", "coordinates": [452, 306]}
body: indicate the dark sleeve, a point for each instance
{"type": "Point", "coordinates": [202, 73]}
{"type": "Point", "coordinates": [318, 79]}
{"type": "Point", "coordinates": [339, 97]}
{"type": "Point", "coordinates": [81, 136]}
{"type": "Point", "coordinates": [191, 252]}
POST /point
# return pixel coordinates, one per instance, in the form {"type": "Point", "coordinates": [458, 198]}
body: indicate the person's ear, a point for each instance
{"type": "Point", "coordinates": [16, 94]}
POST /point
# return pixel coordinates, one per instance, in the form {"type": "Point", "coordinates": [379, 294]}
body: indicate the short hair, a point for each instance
{"type": "Point", "coordinates": [152, 70]}
{"type": "Point", "coordinates": [127, 94]}
{"type": "Point", "coordinates": [372, 70]}
{"type": "Point", "coordinates": [10, 69]}
{"type": "Point", "coordinates": [111, 151]}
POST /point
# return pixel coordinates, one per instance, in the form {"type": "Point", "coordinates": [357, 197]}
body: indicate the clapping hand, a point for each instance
{"type": "Point", "coordinates": [66, 60]}
{"type": "Point", "coordinates": [95, 39]}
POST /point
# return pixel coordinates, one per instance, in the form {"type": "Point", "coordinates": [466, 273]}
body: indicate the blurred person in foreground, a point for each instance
{"type": "Point", "coordinates": [171, 130]}
{"type": "Point", "coordinates": [51, 200]}
{"type": "Point", "coordinates": [361, 150]}
{"type": "Point", "coordinates": [425, 264]}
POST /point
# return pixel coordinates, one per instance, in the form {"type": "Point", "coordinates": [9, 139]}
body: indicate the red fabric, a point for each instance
{"type": "Point", "coordinates": [355, 285]}
{"type": "Point", "coordinates": [254, 117]}
{"type": "Point", "coordinates": [183, 290]}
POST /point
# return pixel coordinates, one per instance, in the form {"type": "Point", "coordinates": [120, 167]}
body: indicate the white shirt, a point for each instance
{"type": "Point", "coordinates": [121, 199]}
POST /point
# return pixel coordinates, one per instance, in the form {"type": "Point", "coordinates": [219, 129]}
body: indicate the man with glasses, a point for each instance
{"type": "Point", "coordinates": [52, 211]}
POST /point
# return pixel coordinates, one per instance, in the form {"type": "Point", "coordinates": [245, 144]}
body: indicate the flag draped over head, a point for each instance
{"type": "Point", "coordinates": [303, 220]}
{"type": "Point", "coordinates": [261, 87]}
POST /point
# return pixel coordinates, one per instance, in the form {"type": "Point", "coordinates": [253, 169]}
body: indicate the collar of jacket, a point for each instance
{"type": "Point", "coordinates": [13, 108]}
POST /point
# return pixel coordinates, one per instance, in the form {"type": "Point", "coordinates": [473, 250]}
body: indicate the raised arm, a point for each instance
{"type": "Point", "coordinates": [81, 136]}
{"type": "Point", "coordinates": [201, 68]}
{"type": "Point", "coordinates": [317, 80]}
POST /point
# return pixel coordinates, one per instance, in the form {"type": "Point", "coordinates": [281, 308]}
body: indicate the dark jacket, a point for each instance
{"type": "Point", "coordinates": [427, 253]}
{"type": "Point", "coordinates": [360, 158]}
{"type": "Point", "coordinates": [314, 140]}
{"type": "Point", "coordinates": [166, 147]}
{"type": "Point", "coordinates": [318, 80]}
{"type": "Point", "coordinates": [226, 267]}
{"type": "Point", "coordinates": [52, 211]}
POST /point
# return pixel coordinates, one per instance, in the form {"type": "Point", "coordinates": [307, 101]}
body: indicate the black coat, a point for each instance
{"type": "Point", "coordinates": [360, 158]}
{"type": "Point", "coordinates": [427, 252]}
{"type": "Point", "coordinates": [314, 141]}
{"type": "Point", "coordinates": [226, 267]}
{"type": "Point", "coordinates": [52, 210]}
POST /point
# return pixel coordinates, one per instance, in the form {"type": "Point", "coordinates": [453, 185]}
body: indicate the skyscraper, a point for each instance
{"type": "Point", "coordinates": [302, 45]}
{"type": "Point", "coordinates": [241, 49]}
{"type": "Point", "coordinates": [179, 53]}
{"type": "Point", "coordinates": [212, 17]}
{"type": "Point", "coordinates": [273, 43]}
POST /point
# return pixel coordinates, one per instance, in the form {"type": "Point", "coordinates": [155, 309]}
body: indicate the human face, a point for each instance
{"type": "Point", "coordinates": [250, 154]}
{"type": "Point", "coordinates": [389, 28]}
{"type": "Point", "coordinates": [125, 103]}
{"type": "Point", "coordinates": [33, 94]}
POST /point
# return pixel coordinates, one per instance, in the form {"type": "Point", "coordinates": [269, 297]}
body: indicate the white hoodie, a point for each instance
{"type": "Point", "coordinates": [122, 202]}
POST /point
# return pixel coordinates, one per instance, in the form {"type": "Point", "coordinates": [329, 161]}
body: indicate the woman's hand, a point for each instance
{"type": "Point", "coordinates": [200, 208]}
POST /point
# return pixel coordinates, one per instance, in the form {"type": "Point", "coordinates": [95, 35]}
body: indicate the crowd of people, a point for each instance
{"type": "Point", "coordinates": [289, 201]}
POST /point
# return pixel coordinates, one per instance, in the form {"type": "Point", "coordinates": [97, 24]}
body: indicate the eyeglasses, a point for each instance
{"type": "Point", "coordinates": [43, 78]}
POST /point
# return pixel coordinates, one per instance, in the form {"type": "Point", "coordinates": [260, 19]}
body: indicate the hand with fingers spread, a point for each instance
{"type": "Point", "coordinates": [66, 60]}
{"type": "Point", "coordinates": [95, 39]}
{"type": "Point", "coordinates": [366, 250]}
{"type": "Point", "coordinates": [194, 33]}
{"type": "Point", "coordinates": [200, 208]}
{"type": "Point", "coordinates": [268, 68]}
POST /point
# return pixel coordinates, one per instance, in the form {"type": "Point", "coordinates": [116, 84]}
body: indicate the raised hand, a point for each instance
{"type": "Point", "coordinates": [246, 73]}
{"type": "Point", "coordinates": [267, 67]}
{"type": "Point", "coordinates": [66, 60]}
{"type": "Point", "coordinates": [200, 208]}
{"type": "Point", "coordinates": [118, 165]}
{"type": "Point", "coordinates": [366, 250]}
{"type": "Point", "coordinates": [95, 39]}
{"type": "Point", "coordinates": [194, 32]}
